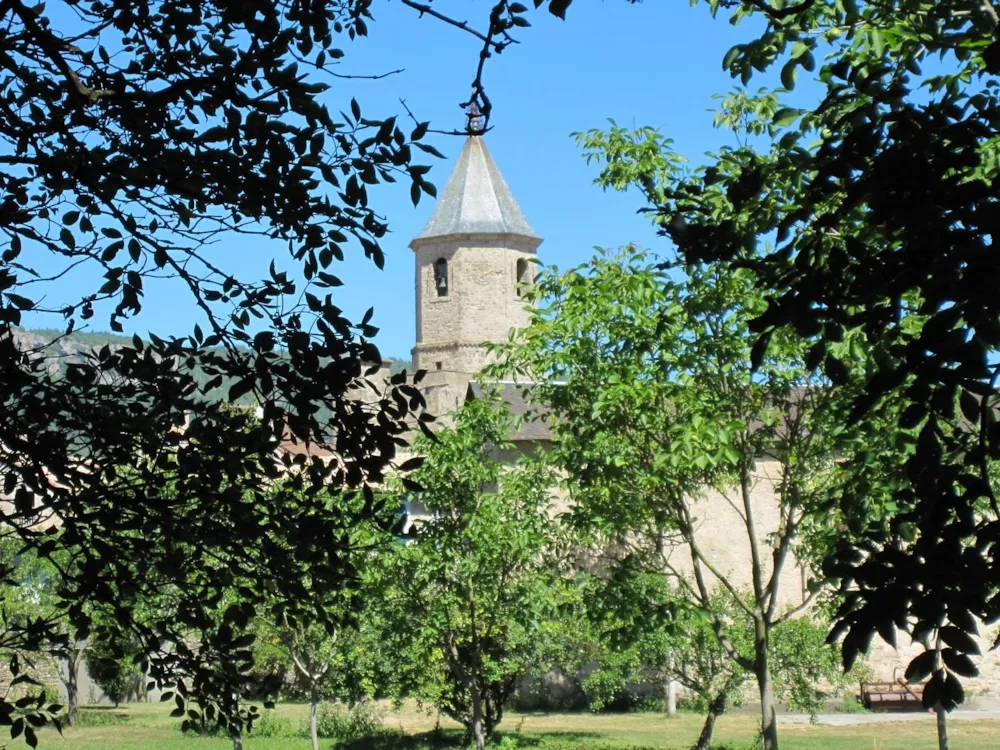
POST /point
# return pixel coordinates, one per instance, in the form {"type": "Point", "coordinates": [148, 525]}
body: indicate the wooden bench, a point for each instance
{"type": "Point", "coordinates": [896, 695]}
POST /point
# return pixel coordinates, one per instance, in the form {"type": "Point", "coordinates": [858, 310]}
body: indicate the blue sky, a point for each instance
{"type": "Point", "coordinates": [655, 63]}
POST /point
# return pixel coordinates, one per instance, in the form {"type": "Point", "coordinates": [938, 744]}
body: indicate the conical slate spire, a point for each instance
{"type": "Point", "coordinates": [476, 200]}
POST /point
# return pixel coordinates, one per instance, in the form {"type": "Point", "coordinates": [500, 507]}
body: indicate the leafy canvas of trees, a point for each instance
{"type": "Point", "coordinates": [825, 295]}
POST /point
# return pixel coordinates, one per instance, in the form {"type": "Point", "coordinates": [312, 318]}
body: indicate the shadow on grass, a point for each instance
{"type": "Point", "coordinates": [443, 738]}
{"type": "Point", "coordinates": [454, 738]}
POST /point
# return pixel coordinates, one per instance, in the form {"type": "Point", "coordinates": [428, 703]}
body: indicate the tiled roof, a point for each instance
{"type": "Point", "coordinates": [476, 200]}
{"type": "Point", "coordinates": [534, 422]}
{"type": "Point", "coordinates": [533, 418]}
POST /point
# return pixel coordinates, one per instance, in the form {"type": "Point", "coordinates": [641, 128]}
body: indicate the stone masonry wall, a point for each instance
{"type": "Point", "coordinates": [722, 536]}
{"type": "Point", "coordinates": [482, 305]}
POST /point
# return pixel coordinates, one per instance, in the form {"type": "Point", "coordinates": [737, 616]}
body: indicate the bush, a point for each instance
{"type": "Point", "coordinates": [852, 705]}
{"type": "Point", "coordinates": [338, 722]}
{"type": "Point", "coordinates": [271, 725]}
{"type": "Point", "coordinates": [203, 727]}
{"type": "Point", "coordinates": [112, 667]}
{"type": "Point", "coordinates": [99, 717]}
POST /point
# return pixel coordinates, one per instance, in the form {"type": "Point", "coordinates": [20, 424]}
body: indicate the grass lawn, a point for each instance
{"type": "Point", "coordinates": [149, 727]}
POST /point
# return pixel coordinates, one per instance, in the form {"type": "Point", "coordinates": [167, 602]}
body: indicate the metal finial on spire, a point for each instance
{"type": "Point", "coordinates": [475, 122]}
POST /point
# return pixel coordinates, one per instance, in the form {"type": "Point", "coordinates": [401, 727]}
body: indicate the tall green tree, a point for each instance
{"type": "Point", "coordinates": [325, 657]}
{"type": "Point", "coordinates": [138, 139]}
{"type": "Point", "coordinates": [463, 604]}
{"type": "Point", "coordinates": [881, 196]}
{"type": "Point", "coordinates": [880, 201]}
{"type": "Point", "coordinates": [655, 405]}
{"type": "Point", "coordinates": [113, 668]}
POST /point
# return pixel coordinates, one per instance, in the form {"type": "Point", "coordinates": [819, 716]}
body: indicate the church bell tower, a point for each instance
{"type": "Point", "coordinates": [470, 260]}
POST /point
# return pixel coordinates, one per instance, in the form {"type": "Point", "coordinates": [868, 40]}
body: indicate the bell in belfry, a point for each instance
{"type": "Point", "coordinates": [441, 277]}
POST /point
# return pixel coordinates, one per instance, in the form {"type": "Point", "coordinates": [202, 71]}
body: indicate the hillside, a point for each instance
{"type": "Point", "coordinates": [59, 349]}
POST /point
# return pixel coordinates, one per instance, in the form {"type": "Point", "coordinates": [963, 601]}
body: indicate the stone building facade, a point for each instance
{"type": "Point", "coordinates": [470, 258]}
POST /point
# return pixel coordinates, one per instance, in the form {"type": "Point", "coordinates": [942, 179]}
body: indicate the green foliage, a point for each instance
{"type": "Point", "coordinates": [676, 641]}
{"type": "Point", "coordinates": [744, 115]}
{"type": "Point", "coordinates": [113, 664]}
{"type": "Point", "coordinates": [270, 725]}
{"type": "Point", "coordinates": [807, 668]}
{"type": "Point", "coordinates": [144, 133]}
{"type": "Point", "coordinates": [462, 605]}
{"type": "Point", "coordinates": [113, 670]}
{"type": "Point", "coordinates": [347, 724]}
{"type": "Point", "coordinates": [203, 727]}
{"type": "Point", "coordinates": [615, 631]}
{"type": "Point", "coordinates": [867, 218]}
{"type": "Point", "coordinates": [697, 661]}
{"type": "Point", "coordinates": [658, 396]}
{"type": "Point", "coordinates": [100, 717]}
{"type": "Point", "coordinates": [853, 705]}
{"type": "Point", "coordinates": [330, 657]}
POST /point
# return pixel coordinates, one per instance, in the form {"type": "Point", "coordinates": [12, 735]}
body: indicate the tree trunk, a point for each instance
{"type": "Point", "coordinates": [942, 727]}
{"type": "Point", "coordinates": [671, 686]}
{"type": "Point", "coordinates": [765, 684]}
{"type": "Point", "coordinates": [313, 717]}
{"type": "Point", "coordinates": [715, 709]}
{"type": "Point", "coordinates": [942, 716]}
{"type": "Point", "coordinates": [73, 685]}
{"type": "Point", "coordinates": [238, 735]}
{"type": "Point", "coordinates": [478, 725]}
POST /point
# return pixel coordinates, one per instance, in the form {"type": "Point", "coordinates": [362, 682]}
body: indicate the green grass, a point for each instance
{"type": "Point", "coordinates": [149, 727]}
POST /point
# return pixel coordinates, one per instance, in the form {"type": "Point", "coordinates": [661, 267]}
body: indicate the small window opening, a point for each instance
{"type": "Point", "coordinates": [441, 277]}
{"type": "Point", "coordinates": [524, 276]}
{"type": "Point", "coordinates": [437, 365]}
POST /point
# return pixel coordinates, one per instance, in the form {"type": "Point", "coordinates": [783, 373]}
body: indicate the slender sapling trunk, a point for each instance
{"type": "Point", "coordinates": [942, 727]}
{"type": "Point", "coordinates": [942, 715]}
{"type": "Point", "coordinates": [715, 709]}
{"type": "Point", "coordinates": [765, 684]}
{"type": "Point", "coordinates": [314, 717]}
{"type": "Point", "coordinates": [73, 685]}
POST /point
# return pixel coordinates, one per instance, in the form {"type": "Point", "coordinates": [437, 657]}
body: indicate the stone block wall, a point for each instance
{"type": "Point", "coordinates": [721, 534]}
{"type": "Point", "coordinates": [482, 303]}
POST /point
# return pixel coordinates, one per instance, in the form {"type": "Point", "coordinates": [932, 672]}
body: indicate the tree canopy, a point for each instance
{"type": "Point", "coordinates": [137, 139]}
{"type": "Point", "coordinates": [871, 216]}
{"type": "Point", "coordinates": [460, 608]}
{"type": "Point", "coordinates": [658, 414]}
